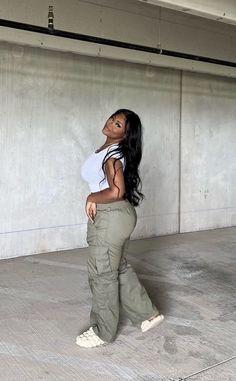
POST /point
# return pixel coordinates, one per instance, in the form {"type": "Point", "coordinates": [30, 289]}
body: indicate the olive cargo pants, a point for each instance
{"type": "Point", "coordinates": [112, 281]}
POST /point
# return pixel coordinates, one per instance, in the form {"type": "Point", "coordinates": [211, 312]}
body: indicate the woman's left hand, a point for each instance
{"type": "Point", "coordinates": [91, 209]}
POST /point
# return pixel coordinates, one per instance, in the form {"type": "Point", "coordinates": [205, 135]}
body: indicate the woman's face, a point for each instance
{"type": "Point", "coordinates": [115, 127]}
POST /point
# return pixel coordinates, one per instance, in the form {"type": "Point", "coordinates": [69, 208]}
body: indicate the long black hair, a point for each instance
{"type": "Point", "coordinates": [130, 148]}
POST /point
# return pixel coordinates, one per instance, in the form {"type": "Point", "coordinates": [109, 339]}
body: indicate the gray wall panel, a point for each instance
{"type": "Point", "coordinates": [208, 180]}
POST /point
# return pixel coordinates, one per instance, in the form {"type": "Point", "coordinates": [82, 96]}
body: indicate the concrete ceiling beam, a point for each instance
{"type": "Point", "coordinates": [223, 11]}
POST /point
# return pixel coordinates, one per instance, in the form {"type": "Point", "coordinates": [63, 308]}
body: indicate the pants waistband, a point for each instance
{"type": "Point", "coordinates": [113, 205]}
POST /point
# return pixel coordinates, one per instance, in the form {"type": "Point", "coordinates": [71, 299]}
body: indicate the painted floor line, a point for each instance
{"type": "Point", "coordinates": [55, 263]}
{"type": "Point", "coordinates": [84, 268]}
{"type": "Point", "coordinates": [205, 369]}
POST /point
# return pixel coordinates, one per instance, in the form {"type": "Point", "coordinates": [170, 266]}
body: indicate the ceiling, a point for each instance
{"type": "Point", "coordinates": [223, 11]}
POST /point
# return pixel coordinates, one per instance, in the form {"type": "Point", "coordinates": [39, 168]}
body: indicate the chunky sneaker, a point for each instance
{"type": "Point", "coordinates": [150, 323]}
{"type": "Point", "coordinates": [89, 339]}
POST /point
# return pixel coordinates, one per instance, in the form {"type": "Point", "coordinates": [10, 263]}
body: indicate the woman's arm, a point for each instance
{"type": "Point", "coordinates": [115, 179]}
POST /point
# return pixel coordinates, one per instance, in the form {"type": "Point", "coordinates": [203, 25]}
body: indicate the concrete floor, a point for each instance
{"type": "Point", "coordinates": [45, 303]}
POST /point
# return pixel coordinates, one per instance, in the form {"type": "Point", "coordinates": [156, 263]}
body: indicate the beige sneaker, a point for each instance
{"type": "Point", "coordinates": [153, 322]}
{"type": "Point", "coordinates": [89, 339]}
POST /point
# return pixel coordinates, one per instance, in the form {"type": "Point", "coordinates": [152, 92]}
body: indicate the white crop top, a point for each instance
{"type": "Point", "coordinates": [92, 172]}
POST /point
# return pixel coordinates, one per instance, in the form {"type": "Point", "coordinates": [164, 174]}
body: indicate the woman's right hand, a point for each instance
{"type": "Point", "coordinates": [91, 210]}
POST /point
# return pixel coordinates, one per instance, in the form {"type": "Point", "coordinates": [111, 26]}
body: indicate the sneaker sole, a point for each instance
{"type": "Point", "coordinates": [147, 324]}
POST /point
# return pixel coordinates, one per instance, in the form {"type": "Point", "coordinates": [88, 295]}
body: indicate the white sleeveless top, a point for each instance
{"type": "Point", "coordinates": [92, 172]}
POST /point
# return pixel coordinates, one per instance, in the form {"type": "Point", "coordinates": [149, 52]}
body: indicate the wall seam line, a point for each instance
{"type": "Point", "coordinates": [180, 150]}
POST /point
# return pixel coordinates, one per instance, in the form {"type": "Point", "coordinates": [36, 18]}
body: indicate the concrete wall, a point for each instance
{"type": "Point", "coordinates": [53, 106]}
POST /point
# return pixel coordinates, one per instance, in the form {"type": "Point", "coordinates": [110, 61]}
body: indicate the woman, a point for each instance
{"type": "Point", "coordinates": [113, 177]}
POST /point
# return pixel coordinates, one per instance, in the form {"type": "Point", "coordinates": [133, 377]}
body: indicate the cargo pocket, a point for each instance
{"type": "Point", "coordinates": [99, 260]}
{"type": "Point", "coordinates": [102, 261]}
